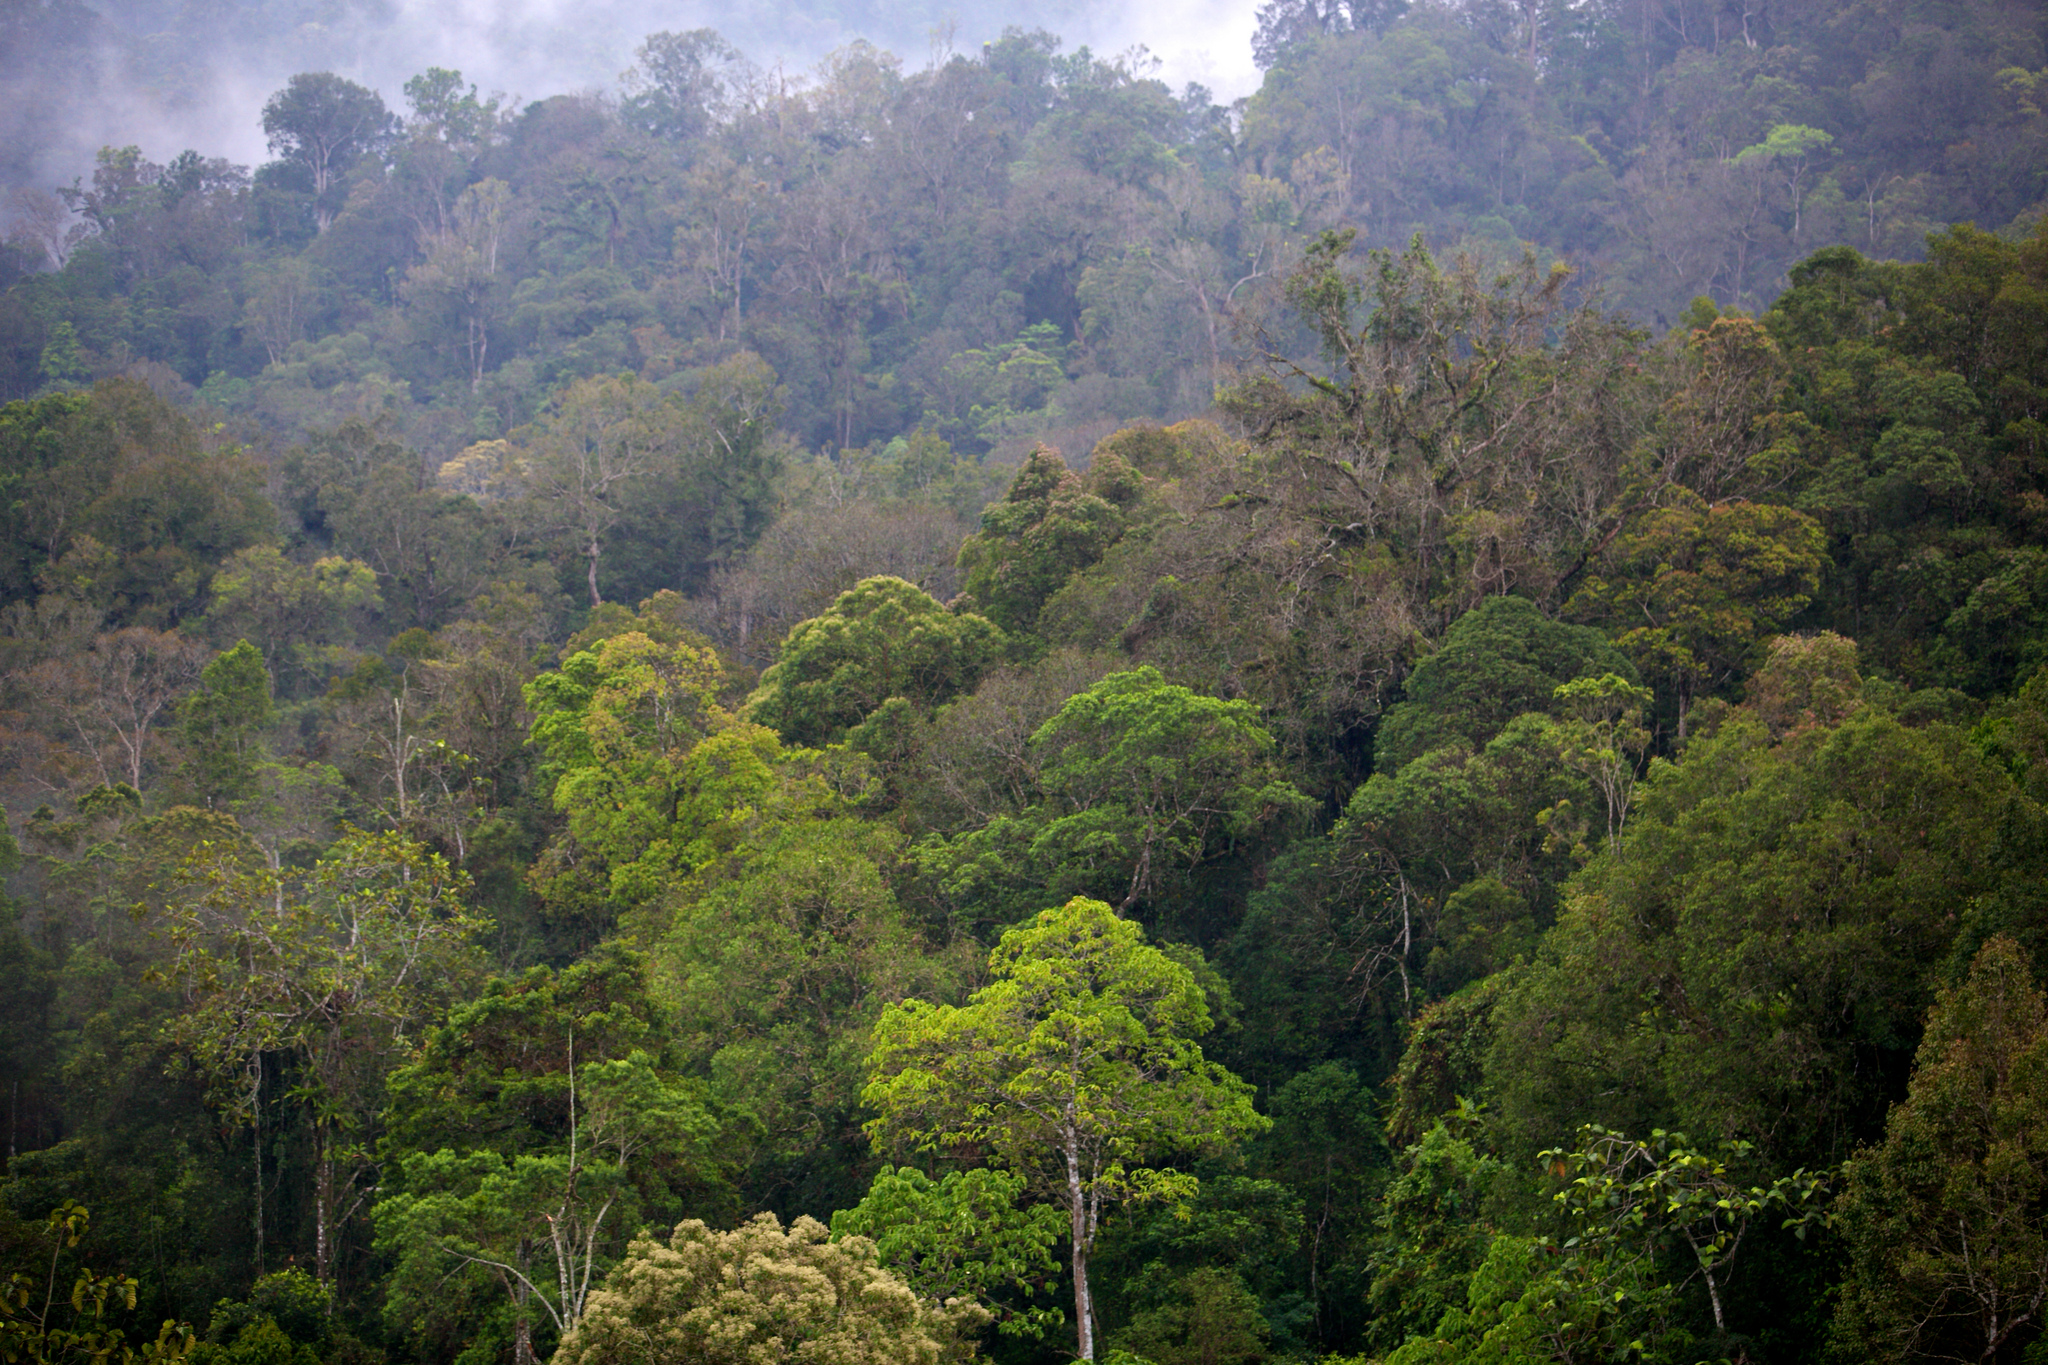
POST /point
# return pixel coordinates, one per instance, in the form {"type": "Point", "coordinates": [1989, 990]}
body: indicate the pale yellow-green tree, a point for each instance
{"type": "Point", "coordinates": [761, 1294]}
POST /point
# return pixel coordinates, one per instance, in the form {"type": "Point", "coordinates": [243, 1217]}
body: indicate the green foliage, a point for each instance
{"type": "Point", "coordinates": [333, 966]}
{"type": "Point", "coordinates": [224, 725]}
{"type": "Point", "coordinates": [883, 638]}
{"type": "Point", "coordinates": [730, 1298]}
{"type": "Point", "coordinates": [120, 495]}
{"type": "Point", "coordinates": [33, 1328]}
{"type": "Point", "coordinates": [1781, 909]}
{"type": "Point", "coordinates": [1500, 659]}
{"type": "Point", "coordinates": [1945, 1218]}
{"type": "Point", "coordinates": [777, 962]}
{"type": "Point", "coordinates": [1049, 525]}
{"type": "Point", "coordinates": [1628, 1196]}
{"type": "Point", "coordinates": [962, 1236]}
{"type": "Point", "coordinates": [1435, 1224]}
{"type": "Point", "coordinates": [1712, 583]}
{"type": "Point", "coordinates": [1139, 782]}
{"type": "Point", "coordinates": [622, 724]}
{"type": "Point", "coordinates": [1210, 1319]}
{"type": "Point", "coordinates": [303, 617]}
{"type": "Point", "coordinates": [1222, 1266]}
{"type": "Point", "coordinates": [534, 1131]}
{"type": "Point", "coordinates": [1075, 1066]}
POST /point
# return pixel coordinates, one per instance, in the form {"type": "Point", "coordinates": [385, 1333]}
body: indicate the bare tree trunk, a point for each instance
{"type": "Point", "coordinates": [323, 1201]}
{"type": "Point", "coordinates": [256, 1126]}
{"type": "Point", "coordinates": [1084, 1306]}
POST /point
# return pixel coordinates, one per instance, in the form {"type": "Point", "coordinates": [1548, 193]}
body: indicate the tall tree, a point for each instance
{"type": "Point", "coordinates": [331, 966]}
{"type": "Point", "coordinates": [589, 456]}
{"type": "Point", "coordinates": [1076, 1066]}
{"type": "Point", "coordinates": [322, 126]}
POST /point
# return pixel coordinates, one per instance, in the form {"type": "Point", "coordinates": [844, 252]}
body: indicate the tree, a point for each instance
{"type": "Point", "coordinates": [322, 125]}
{"type": "Point", "coordinates": [118, 690]}
{"type": "Point", "coordinates": [529, 1135]}
{"type": "Point", "coordinates": [620, 724]}
{"type": "Point", "coordinates": [682, 84]}
{"type": "Point", "coordinates": [1139, 783]}
{"type": "Point", "coordinates": [1947, 1218]}
{"type": "Point", "coordinates": [759, 1293]}
{"type": "Point", "coordinates": [1628, 1196]}
{"type": "Point", "coordinates": [301, 616]}
{"type": "Point", "coordinates": [332, 966]}
{"type": "Point", "coordinates": [1051, 523]}
{"type": "Point", "coordinates": [1696, 590]}
{"type": "Point", "coordinates": [223, 725]}
{"type": "Point", "coordinates": [460, 270]}
{"type": "Point", "coordinates": [780, 955]}
{"type": "Point", "coordinates": [1604, 738]}
{"type": "Point", "coordinates": [30, 1330]}
{"type": "Point", "coordinates": [883, 638]}
{"type": "Point", "coordinates": [1074, 1067]}
{"type": "Point", "coordinates": [603, 438]}
{"type": "Point", "coordinates": [1500, 659]}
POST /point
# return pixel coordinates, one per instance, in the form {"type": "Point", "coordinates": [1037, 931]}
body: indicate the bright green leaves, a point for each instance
{"type": "Point", "coordinates": [620, 724]}
{"type": "Point", "coordinates": [1084, 1036]}
{"type": "Point", "coordinates": [962, 1236]}
{"type": "Point", "coordinates": [884, 638]}
{"type": "Point", "coordinates": [1143, 777]}
{"type": "Point", "coordinates": [1625, 1197]}
{"type": "Point", "coordinates": [1074, 1067]}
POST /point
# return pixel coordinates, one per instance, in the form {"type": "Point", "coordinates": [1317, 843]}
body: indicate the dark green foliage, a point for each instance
{"type": "Point", "coordinates": [1539, 723]}
{"type": "Point", "coordinates": [1946, 1218]}
{"type": "Point", "coordinates": [882, 639]}
{"type": "Point", "coordinates": [1756, 955]}
{"type": "Point", "coordinates": [224, 725]}
{"type": "Point", "coordinates": [120, 497]}
{"type": "Point", "coordinates": [1500, 659]}
{"type": "Point", "coordinates": [1050, 524]}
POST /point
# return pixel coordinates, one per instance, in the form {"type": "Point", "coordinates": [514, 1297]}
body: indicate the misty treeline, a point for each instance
{"type": "Point", "coordinates": [575, 803]}
{"type": "Point", "coordinates": [1002, 246]}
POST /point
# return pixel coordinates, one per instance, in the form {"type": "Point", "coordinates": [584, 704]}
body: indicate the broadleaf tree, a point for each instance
{"type": "Point", "coordinates": [1077, 1067]}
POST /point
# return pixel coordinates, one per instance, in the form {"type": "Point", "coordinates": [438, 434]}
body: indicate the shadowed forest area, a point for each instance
{"type": "Point", "coordinates": [993, 712]}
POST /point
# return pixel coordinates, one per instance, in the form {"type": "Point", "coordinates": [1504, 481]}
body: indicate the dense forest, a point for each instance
{"type": "Point", "coordinates": [996, 712]}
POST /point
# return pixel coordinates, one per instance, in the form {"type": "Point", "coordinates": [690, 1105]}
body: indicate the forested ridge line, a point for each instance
{"type": "Point", "coordinates": [1013, 244]}
{"type": "Point", "coordinates": [1480, 830]}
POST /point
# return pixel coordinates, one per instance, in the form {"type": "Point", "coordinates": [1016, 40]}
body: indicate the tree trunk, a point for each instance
{"type": "Point", "coordinates": [323, 1202]}
{"type": "Point", "coordinates": [1084, 1316]}
{"type": "Point", "coordinates": [256, 1126]}
{"type": "Point", "coordinates": [522, 1326]}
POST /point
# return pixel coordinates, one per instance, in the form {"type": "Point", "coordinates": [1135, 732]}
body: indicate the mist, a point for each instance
{"type": "Point", "coordinates": [167, 78]}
